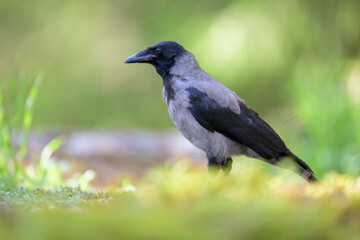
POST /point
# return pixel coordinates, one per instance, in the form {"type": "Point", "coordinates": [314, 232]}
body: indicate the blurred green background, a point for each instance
{"type": "Point", "coordinates": [295, 62]}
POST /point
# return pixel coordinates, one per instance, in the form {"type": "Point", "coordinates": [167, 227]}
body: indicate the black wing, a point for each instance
{"type": "Point", "coordinates": [246, 128]}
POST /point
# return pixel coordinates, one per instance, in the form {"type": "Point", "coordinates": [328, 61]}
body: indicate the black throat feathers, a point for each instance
{"type": "Point", "coordinates": [168, 88]}
{"type": "Point", "coordinates": [163, 69]}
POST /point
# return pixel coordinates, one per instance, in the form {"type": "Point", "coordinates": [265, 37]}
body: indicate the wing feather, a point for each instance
{"type": "Point", "coordinates": [246, 127]}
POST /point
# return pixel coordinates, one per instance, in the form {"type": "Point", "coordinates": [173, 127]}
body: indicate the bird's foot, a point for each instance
{"type": "Point", "coordinates": [213, 166]}
{"type": "Point", "coordinates": [226, 166]}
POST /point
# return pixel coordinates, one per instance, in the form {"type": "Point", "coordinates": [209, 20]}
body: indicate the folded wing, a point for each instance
{"type": "Point", "coordinates": [246, 127]}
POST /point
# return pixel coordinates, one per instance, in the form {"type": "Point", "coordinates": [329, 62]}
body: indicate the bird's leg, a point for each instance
{"type": "Point", "coordinates": [213, 165]}
{"type": "Point", "coordinates": [226, 166]}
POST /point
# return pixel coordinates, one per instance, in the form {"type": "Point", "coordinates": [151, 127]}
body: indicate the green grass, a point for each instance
{"type": "Point", "coordinates": [182, 203]}
{"type": "Point", "coordinates": [16, 116]}
{"type": "Point", "coordinates": [329, 115]}
{"type": "Point", "coordinates": [39, 199]}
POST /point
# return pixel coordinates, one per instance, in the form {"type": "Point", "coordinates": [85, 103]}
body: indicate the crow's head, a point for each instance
{"type": "Point", "coordinates": [162, 55]}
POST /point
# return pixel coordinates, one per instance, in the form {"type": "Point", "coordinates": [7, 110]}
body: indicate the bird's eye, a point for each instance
{"type": "Point", "coordinates": [157, 50]}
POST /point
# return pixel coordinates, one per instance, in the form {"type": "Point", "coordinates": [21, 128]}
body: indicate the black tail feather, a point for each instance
{"type": "Point", "coordinates": [303, 169]}
{"type": "Point", "coordinates": [307, 175]}
{"type": "Point", "coordinates": [301, 163]}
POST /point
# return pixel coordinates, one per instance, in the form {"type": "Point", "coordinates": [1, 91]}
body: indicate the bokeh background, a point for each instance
{"type": "Point", "coordinates": [295, 62]}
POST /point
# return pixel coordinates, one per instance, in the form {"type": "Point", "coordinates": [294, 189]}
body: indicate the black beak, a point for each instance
{"type": "Point", "coordinates": [145, 56]}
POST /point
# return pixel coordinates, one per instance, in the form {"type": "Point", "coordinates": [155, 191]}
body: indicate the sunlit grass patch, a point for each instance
{"type": "Point", "coordinates": [181, 202]}
{"type": "Point", "coordinates": [39, 199]}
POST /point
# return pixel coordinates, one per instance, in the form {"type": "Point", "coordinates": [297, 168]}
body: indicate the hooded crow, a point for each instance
{"type": "Point", "coordinates": [211, 116]}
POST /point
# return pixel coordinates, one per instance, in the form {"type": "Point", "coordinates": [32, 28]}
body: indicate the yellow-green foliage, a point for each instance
{"type": "Point", "coordinates": [180, 202]}
{"type": "Point", "coordinates": [250, 46]}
